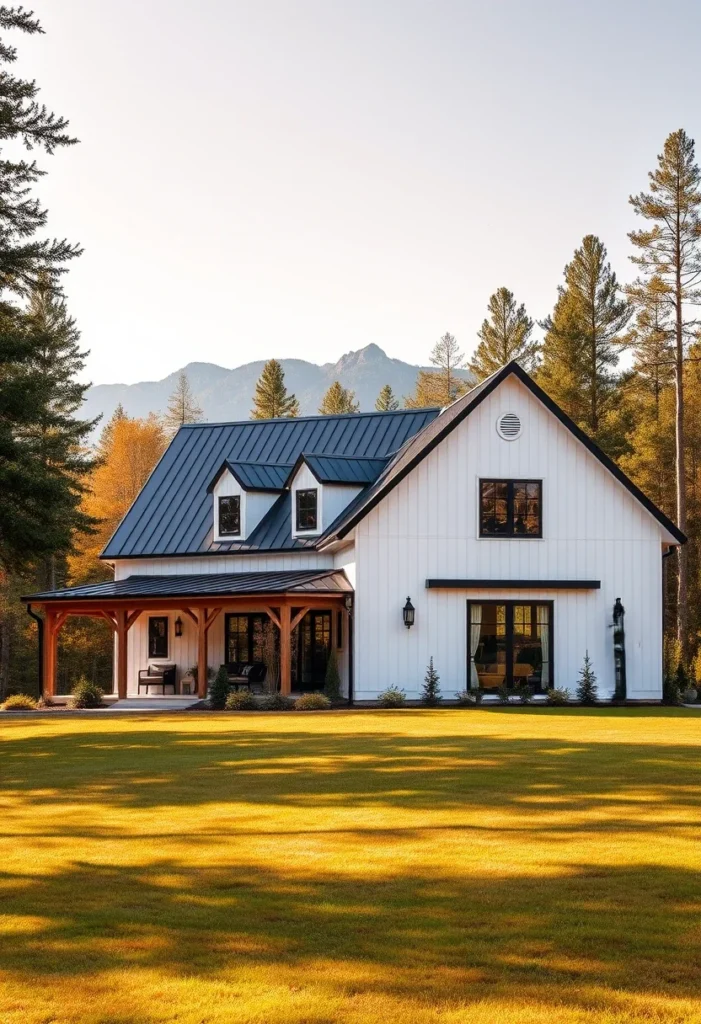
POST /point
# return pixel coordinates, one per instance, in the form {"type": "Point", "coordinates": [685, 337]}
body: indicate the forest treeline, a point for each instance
{"type": "Point", "coordinates": [622, 359]}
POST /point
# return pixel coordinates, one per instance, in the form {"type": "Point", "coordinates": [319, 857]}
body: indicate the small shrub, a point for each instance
{"type": "Point", "coordinates": [219, 690]}
{"type": "Point", "coordinates": [525, 693]}
{"type": "Point", "coordinates": [587, 690]}
{"type": "Point", "coordinates": [276, 702]}
{"type": "Point", "coordinates": [19, 702]}
{"type": "Point", "coordinates": [469, 698]}
{"type": "Point", "coordinates": [670, 691]}
{"type": "Point", "coordinates": [313, 702]}
{"type": "Point", "coordinates": [86, 694]}
{"type": "Point", "coordinates": [46, 701]}
{"type": "Point", "coordinates": [431, 694]}
{"type": "Point", "coordinates": [332, 679]}
{"type": "Point", "coordinates": [392, 697]}
{"type": "Point", "coordinates": [503, 693]}
{"type": "Point", "coordinates": [558, 696]}
{"type": "Point", "coordinates": [690, 695]}
{"type": "Point", "coordinates": [681, 678]}
{"type": "Point", "coordinates": [240, 700]}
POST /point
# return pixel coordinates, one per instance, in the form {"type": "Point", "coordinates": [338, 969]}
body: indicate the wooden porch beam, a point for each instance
{"type": "Point", "coordinates": [272, 615]}
{"type": "Point", "coordinates": [49, 680]}
{"type": "Point", "coordinates": [121, 654]}
{"type": "Point", "coordinates": [109, 616]}
{"type": "Point", "coordinates": [285, 649]}
{"type": "Point", "coordinates": [189, 612]}
{"type": "Point", "coordinates": [298, 618]}
{"type": "Point", "coordinates": [202, 654]}
{"type": "Point", "coordinates": [257, 602]}
{"type": "Point", "coordinates": [211, 617]}
{"type": "Point", "coordinates": [131, 619]}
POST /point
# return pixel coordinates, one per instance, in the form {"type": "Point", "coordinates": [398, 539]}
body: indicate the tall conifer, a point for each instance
{"type": "Point", "coordinates": [443, 385]}
{"type": "Point", "coordinates": [182, 407]}
{"type": "Point", "coordinates": [386, 401]}
{"type": "Point", "coordinates": [504, 336]}
{"type": "Point", "coordinates": [338, 400]}
{"type": "Point", "coordinates": [670, 250]}
{"type": "Point", "coordinates": [271, 399]}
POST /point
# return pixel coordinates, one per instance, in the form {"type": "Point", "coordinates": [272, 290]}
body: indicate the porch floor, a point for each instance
{"type": "Point", "coordinates": [157, 702]}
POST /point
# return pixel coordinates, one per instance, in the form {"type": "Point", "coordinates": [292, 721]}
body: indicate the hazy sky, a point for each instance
{"type": "Point", "coordinates": [302, 177]}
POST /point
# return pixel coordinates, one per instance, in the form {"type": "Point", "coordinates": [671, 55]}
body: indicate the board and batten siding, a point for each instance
{"type": "Point", "coordinates": [196, 564]}
{"type": "Point", "coordinates": [427, 527]}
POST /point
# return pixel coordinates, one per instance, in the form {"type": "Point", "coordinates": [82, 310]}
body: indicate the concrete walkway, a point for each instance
{"type": "Point", "coordinates": [160, 703]}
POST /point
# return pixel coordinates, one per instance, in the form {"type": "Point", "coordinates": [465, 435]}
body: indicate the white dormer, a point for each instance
{"type": "Point", "coordinates": [322, 486]}
{"type": "Point", "coordinates": [242, 494]}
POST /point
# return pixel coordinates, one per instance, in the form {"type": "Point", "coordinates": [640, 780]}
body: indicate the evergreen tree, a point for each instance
{"type": "Point", "coordinates": [670, 250]}
{"type": "Point", "coordinates": [504, 336]}
{"type": "Point", "coordinates": [386, 402]}
{"type": "Point", "coordinates": [586, 687]}
{"type": "Point", "coordinates": [271, 400]}
{"type": "Point", "coordinates": [332, 679]}
{"type": "Point", "coordinates": [431, 693]}
{"type": "Point", "coordinates": [582, 342]}
{"type": "Point", "coordinates": [652, 338]}
{"type": "Point", "coordinates": [219, 689]}
{"type": "Point", "coordinates": [182, 407]}
{"type": "Point", "coordinates": [338, 400]}
{"type": "Point", "coordinates": [442, 386]}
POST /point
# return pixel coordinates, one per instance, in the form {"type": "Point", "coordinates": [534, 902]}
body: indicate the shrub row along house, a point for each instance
{"type": "Point", "coordinates": [492, 535]}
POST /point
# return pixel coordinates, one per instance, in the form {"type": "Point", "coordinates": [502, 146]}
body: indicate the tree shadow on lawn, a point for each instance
{"type": "Point", "coordinates": [585, 938]}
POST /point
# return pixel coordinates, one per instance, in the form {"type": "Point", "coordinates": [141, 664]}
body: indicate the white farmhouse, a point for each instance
{"type": "Point", "coordinates": [491, 535]}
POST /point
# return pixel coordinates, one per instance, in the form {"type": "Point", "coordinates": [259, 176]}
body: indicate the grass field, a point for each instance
{"type": "Point", "coordinates": [510, 865]}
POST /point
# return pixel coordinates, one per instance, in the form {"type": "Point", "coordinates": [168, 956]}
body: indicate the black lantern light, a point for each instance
{"type": "Point", "coordinates": [408, 612]}
{"type": "Point", "coordinates": [178, 626]}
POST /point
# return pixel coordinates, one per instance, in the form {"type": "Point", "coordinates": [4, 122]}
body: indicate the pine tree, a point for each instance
{"type": "Point", "coordinates": [506, 335]}
{"type": "Point", "coordinates": [583, 339]}
{"type": "Point", "coordinates": [586, 687]}
{"type": "Point", "coordinates": [332, 679]}
{"type": "Point", "coordinates": [271, 400]}
{"type": "Point", "coordinates": [338, 400]}
{"type": "Point", "coordinates": [652, 337]}
{"type": "Point", "coordinates": [431, 693]}
{"type": "Point", "coordinates": [386, 401]}
{"type": "Point", "coordinates": [182, 407]}
{"type": "Point", "coordinates": [219, 689]}
{"type": "Point", "coordinates": [442, 386]}
{"type": "Point", "coordinates": [670, 249]}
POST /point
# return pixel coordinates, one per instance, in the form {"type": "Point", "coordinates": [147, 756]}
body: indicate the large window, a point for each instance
{"type": "Point", "coordinates": [244, 638]}
{"type": "Point", "coordinates": [510, 643]}
{"type": "Point", "coordinates": [306, 509]}
{"type": "Point", "coordinates": [511, 508]}
{"type": "Point", "coordinates": [158, 636]}
{"type": "Point", "coordinates": [230, 516]}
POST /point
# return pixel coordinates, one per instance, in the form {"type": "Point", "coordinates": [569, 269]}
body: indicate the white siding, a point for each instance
{"type": "Point", "coordinates": [303, 480]}
{"type": "Point", "coordinates": [428, 527]}
{"type": "Point", "coordinates": [221, 563]}
{"type": "Point", "coordinates": [254, 504]}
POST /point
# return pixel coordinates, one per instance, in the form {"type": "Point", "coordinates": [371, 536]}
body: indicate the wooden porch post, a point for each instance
{"type": "Point", "coordinates": [122, 641]}
{"type": "Point", "coordinates": [285, 648]}
{"type": "Point", "coordinates": [202, 652]}
{"type": "Point", "coordinates": [48, 684]}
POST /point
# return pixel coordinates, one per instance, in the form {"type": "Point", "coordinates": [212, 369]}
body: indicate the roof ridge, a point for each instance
{"type": "Point", "coordinates": [356, 458]}
{"type": "Point", "coordinates": [250, 462]}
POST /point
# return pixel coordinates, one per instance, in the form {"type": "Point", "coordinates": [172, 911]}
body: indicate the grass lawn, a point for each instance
{"type": "Point", "coordinates": [510, 865]}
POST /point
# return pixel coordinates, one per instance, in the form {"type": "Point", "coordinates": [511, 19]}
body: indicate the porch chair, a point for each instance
{"type": "Point", "coordinates": [157, 675]}
{"type": "Point", "coordinates": [247, 675]}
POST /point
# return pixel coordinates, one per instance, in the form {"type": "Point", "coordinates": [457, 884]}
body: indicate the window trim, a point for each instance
{"type": "Point", "coordinates": [510, 481]}
{"type": "Point", "coordinates": [307, 529]}
{"type": "Point", "coordinates": [156, 618]}
{"type": "Point", "coordinates": [509, 623]}
{"type": "Point", "coordinates": [220, 499]}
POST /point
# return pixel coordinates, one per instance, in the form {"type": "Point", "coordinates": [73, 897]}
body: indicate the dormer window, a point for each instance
{"type": "Point", "coordinates": [230, 515]}
{"type": "Point", "coordinates": [307, 509]}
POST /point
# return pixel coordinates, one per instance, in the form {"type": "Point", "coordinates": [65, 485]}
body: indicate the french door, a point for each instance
{"type": "Point", "coordinates": [314, 647]}
{"type": "Point", "coordinates": [510, 643]}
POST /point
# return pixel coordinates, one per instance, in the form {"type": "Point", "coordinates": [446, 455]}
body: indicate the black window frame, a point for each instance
{"type": "Point", "coordinates": [154, 639]}
{"type": "Point", "coordinates": [510, 533]}
{"type": "Point", "coordinates": [309, 528]}
{"type": "Point", "coordinates": [236, 498]}
{"type": "Point", "coordinates": [252, 618]}
{"type": "Point", "coordinates": [510, 604]}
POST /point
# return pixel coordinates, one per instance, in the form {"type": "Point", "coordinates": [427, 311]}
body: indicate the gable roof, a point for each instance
{"type": "Point", "coordinates": [418, 447]}
{"type": "Point", "coordinates": [341, 469]}
{"type": "Point", "coordinates": [255, 476]}
{"type": "Point", "coordinates": [173, 514]}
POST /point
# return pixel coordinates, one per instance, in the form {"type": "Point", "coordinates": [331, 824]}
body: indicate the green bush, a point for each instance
{"type": "Point", "coordinates": [332, 680]}
{"type": "Point", "coordinates": [431, 694]}
{"type": "Point", "coordinates": [312, 702]}
{"type": "Point", "coordinates": [587, 689]}
{"type": "Point", "coordinates": [19, 702]}
{"type": "Point", "coordinates": [558, 697]}
{"type": "Point", "coordinates": [469, 698]}
{"type": "Point", "coordinates": [690, 695]}
{"type": "Point", "coordinates": [392, 697]}
{"type": "Point", "coordinates": [276, 702]}
{"type": "Point", "coordinates": [86, 694]}
{"type": "Point", "coordinates": [241, 700]}
{"type": "Point", "coordinates": [219, 690]}
{"type": "Point", "coordinates": [670, 691]}
{"type": "Point", "coordinates": [525, 693]}
{"type": "Point", "coordinates": [504, 693]}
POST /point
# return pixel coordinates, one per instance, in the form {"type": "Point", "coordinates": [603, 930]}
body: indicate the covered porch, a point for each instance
{"type": "Point", "coordinates": [203, 621]}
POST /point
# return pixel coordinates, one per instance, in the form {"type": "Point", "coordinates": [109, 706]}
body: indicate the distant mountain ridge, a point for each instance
{"type": "Point", "coordinates": [226, 395]}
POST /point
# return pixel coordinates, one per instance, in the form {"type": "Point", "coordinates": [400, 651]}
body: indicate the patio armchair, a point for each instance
{"type": "Point", "coordinates": [247, 675]}
{"type": "Point", "coordinates": [157, 675]}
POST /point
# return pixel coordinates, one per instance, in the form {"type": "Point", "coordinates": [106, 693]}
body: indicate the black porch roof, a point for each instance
{"type": "Point", "coordinates": [297, 581]}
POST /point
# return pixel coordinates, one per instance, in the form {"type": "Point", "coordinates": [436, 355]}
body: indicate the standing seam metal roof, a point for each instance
{"type": "Point", "coordinates": [173, 514]}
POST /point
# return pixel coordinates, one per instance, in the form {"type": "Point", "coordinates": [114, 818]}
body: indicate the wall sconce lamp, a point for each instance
{"type": "Point", "coordinates": [178, 626]}
{"type": "Point", "coordinates": [409, 613]}
{"type": "Point", "coordinates": [348, 602]}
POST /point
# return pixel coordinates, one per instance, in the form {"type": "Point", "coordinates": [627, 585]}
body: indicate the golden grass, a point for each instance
{"type": "Point", "coordinates": [408, 867]}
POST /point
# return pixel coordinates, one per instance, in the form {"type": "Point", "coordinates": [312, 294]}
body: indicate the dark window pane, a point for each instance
{"type": "Point", "coordinates": [306, 509]}
{"type": "Point", "coordinates": [230, 516]}
{"type": "Point", "coordinates": [510, 508]}
{"type": "Point", "coordinates": [158, 636]}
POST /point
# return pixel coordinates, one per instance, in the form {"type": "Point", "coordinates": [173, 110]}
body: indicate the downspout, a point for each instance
{"type": "Point", "coordinates": [351, 641]}
{"type": "Point", "coordinates": [665, 554]}
{"type": "Point", "coordinates": [40, 635]}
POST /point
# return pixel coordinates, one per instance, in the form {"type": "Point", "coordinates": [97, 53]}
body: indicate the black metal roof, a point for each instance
{"type": "Point", "coordinates": [173, 514]}
{"type": "Point", "coordinates": [296, 581]}
{"type": "Point", "coordinates": [342, 469]}
{"type": "Point", "coordinates": [420, 445]}
{"type": "Point", "coordinates": [257, 476]}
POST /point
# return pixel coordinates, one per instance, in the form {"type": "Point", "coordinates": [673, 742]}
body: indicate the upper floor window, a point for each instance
{"type": "Point", "coordinates": [511, 508]}
{"type": "Point", "coordinates": [158, 636]}
{"type": "Point", "coordinates": [306, 509]}
{"type": "Point", "coordinates": [230, 516]}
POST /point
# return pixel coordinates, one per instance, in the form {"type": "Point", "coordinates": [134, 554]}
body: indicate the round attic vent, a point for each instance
{"type": "Point", "coordinates": [509, 426]}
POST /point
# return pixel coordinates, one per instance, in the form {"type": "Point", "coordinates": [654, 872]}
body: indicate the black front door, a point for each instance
{"type": "Point", "coordinates": [509, 643]}
{"type": "Point", "coordinates": [313, 647]}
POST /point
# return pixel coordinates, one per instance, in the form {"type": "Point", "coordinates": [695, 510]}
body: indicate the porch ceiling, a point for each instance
{"type": "Point", "coordinates": [297, 581]}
